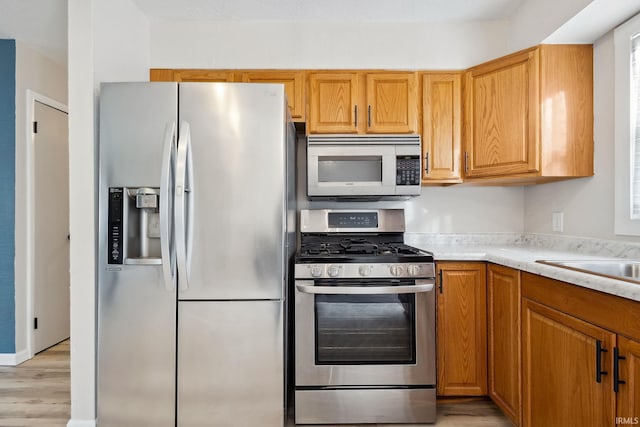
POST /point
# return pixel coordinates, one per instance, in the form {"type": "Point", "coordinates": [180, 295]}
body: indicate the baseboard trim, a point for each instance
{"type": "Point", "coordinates": [81, 423]}
{"type": "Point", "coordinates": [13, 359]}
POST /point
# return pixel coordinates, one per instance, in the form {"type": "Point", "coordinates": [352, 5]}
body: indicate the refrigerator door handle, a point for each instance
{"type": "Point", "coordinates": [167, 247]}
{"type": "Point", "coordinates": [184, 205]}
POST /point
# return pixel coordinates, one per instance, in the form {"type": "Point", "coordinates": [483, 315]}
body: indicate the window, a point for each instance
{"type": "Point", "coordinates": [635, 127]}
{"type": "Point", "coordinates": [627, 127]}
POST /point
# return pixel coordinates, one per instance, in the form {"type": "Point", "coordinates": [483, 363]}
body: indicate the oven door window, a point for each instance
{"type": "Point", "coordinates": [365, 329]}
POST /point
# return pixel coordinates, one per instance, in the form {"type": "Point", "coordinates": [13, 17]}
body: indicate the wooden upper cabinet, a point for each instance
{"type": "Point", "coordinates": [293, 82]}
{"type": "Point", "coordinates": [392, 103]}
{"type": "Point", "coordinates": [293, 86]}
{"type": "Point", "coordinates": [500, 101]}
{"type": "Point", "coordinates": [333, 103]}
{"type": "Point", "coordinates": [191, 75]}
{"type": "Point", "coordinates": [529, 115]}
{"type": "Point", "coordinates": [361, 102]}
{"type": "Point", "coordinates": [461, 329]}
{"type": "Point", "coordinates": [441, 128]}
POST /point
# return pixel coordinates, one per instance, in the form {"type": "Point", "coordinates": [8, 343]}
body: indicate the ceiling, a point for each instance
{"type": "Point", "coordinates": [42, 24]}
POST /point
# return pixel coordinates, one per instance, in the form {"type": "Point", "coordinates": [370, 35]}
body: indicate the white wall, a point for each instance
{"type": "Point", "coordinates": [40, 74]}
{"type": "Point", "coordinates": [121, 42]}
{"type": "Point", "coordinates": [460, 209]}
{"type": "Point", "coordinates": [325, 45]}
{"type": "Point", "coordinates": [108, 41]}
{"type": "Point", "coordinates": [587, 203]}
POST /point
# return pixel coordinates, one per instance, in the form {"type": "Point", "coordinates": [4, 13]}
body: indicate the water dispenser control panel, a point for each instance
{"type": "Point", "coordinates": [115, 238]}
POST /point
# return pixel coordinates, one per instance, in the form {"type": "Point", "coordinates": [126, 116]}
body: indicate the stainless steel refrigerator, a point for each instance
{"type": "Point", "coordinates": [196, 234]}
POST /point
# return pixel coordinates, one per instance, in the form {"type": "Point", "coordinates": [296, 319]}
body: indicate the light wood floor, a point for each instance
{"type": "Point", "coordinates": [37, 392]}
{"type": "Point", "coordinates": [458, 413]}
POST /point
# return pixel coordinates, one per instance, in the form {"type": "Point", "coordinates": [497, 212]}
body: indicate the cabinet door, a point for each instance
{"type": "Point", "coordinates": [333, 103]}
{"type": "Point", "coordinates": [293, 86]}
{"type": "Point", "coordinates": [441, 128]}
{"type": "Point", "coordinates": [628, 399]}
{"type": "Point", "coordinates": [503, 316]}
{"type": "Point", "coordinates": [203, 76]}
{"type": "Point", "coordinates": [461, 329]}
{"type": "Point", "coordinates": [501, 116]}
{"type": "Point", "coordinates": [190, 75]}
{"type": "Point", "coordinates": [392, 103]}
{"type": "Point", "coordinates": [559, 375]}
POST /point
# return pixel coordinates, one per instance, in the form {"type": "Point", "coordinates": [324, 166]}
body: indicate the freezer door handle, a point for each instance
{"type": "Point", "coordinates": [167, 247]}
{"type": "Point", "coordinates": [184, 195]}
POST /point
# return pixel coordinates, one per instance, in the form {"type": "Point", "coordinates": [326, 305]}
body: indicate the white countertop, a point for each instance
{"type": "Point", "coordinates": [523, 257]}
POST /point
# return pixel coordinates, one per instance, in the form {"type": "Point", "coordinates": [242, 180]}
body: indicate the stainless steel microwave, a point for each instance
{"type": "Point", "coordinates": [363, 167]}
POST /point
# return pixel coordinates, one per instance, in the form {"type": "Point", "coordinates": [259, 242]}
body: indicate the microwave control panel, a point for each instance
{"type": "Point", "coordinates": [408, 170]}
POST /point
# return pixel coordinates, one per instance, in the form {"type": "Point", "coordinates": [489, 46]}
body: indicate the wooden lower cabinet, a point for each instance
{"type": "Point", "coordinates": [461, 329]}
{"type": "Point", "coordinates": [559, 354]}
{"type": "Point", "coordinates": [628, 398]}
{"type": "Point", "coordinates": [503, 337]}
{"type": "Point", "coordinates": [570, 334]}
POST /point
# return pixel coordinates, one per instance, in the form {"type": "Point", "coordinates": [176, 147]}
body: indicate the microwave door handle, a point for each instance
{"type": "Point", "coordinates": [167, 246]}
{"type": "Point", "coordinates": [420, 286]}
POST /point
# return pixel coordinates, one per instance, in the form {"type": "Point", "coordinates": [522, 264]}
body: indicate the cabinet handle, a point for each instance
{"type": "Point", "coordinates": [466, 161]}
{"type": "Point", "coordinates": [355, 115]}
{"type": "Point", "coordinates": [369, 116]}
{"type": "Point", "coordinates": [426, 163]}
{"type": "Point", "coordinates": [599, 371]}
{"type": "Point", "coordinates": [440, 281]}
{"type": "Point", "coordinates": [616, 369]}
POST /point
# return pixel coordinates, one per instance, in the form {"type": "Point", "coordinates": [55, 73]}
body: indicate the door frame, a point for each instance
{"type": "Point", "coordinates": [32, 98]}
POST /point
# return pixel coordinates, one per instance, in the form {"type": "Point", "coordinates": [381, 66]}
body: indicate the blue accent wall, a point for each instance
{"type": "Point", "coordinates": [7, 194]}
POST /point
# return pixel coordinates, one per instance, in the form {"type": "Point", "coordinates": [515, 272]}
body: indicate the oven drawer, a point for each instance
{"type": "Point", "coordinates": [351, 406]}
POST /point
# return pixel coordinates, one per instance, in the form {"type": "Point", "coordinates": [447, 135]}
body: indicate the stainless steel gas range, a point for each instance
{"type": "Point", "coordinates": [364, 321]}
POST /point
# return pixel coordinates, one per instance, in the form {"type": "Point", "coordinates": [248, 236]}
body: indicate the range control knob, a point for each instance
{"type": "Point", "coordinates": [397, 270]}
{"type": "Point", "coordinates": [316, 271]}
{"type": "Point", "coordinates": [413, 270]}
{"type": "Point", "coordinates": [364, 270]}
{"type": "Point", "coordinates": [333, 270]}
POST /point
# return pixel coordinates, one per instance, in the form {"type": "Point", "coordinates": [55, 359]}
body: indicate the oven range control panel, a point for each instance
{"type": "Point", "coordinates": [356, 270]}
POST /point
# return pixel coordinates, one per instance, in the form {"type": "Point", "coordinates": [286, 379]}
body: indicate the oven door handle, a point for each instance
{"type": "Point", "coordinates": [420, 286]}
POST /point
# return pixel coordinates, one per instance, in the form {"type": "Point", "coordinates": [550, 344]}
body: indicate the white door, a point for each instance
{"type": "Point", "coordinates": [51, 227]}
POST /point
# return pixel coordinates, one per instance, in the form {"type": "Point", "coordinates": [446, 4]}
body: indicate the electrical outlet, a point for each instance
{"type": "Point", "coordinates": [557, 221]}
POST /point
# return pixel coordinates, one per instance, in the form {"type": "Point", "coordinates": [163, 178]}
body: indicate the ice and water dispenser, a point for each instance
{"type": "Point", "coordinates": [134, 226]}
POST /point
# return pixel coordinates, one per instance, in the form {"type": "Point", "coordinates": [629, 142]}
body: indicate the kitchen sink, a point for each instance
{"type": "Point", "coordinates": [628, 270]}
